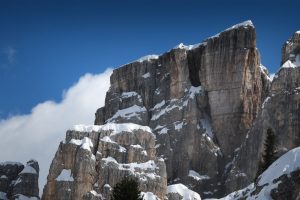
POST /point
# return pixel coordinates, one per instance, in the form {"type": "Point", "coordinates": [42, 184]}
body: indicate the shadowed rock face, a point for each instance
{"type": "Point", "coordinates": [17, 180]}
{"type": "Point", "coordinates": [93, 159]}
{"type": "Point", "coordinates": [200, 101]}
{"type": "Point", "coordinates": [280, 112]}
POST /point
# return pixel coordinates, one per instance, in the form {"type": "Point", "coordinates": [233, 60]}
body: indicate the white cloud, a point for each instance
{"type": "Point", "coordinates": [37, 135]}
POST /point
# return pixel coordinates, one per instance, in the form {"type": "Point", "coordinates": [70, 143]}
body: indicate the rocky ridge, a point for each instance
{"type": "Point", "coordinates": [279, 112]}
{"type": "Point", "coordinates": [18, 181]}
{"type": "Point", "coordinates": [188, 96]}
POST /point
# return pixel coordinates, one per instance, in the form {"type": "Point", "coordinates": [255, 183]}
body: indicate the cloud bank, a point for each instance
{"type": "Point", "coordinates": [37, 135]}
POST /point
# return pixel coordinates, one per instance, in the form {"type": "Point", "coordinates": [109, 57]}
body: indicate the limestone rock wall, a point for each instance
{"type": "Point", "coordinates": [199, 101]}
{"type": "Point", "coordinates": [95, 158]}
{"type": "Point", "coordinates": [280, 112]}
{"type": "Point", "coordinates": [18, 181]}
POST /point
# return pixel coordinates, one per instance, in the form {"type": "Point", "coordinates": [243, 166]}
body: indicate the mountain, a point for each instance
{"type": "Point", "coordinates": [19, 182]}
{"type": "Point", "coordinates": [188, 123]}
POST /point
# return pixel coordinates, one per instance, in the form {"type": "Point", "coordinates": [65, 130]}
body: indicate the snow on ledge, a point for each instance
{"type": "Point", "coordinates": [149, 196]}
{"type": "Point", "coordinates": [195, 175]}
{"type": "Point", "coordinates": [28, 170]}
{"type": "Point", "coordinates": [242, 24]}
{"type": "Point", "coordinates": [22, 197]}
{"type": "Point", "coordinates": [114, 127]}
{"type": "Point", "coordinates": [65, 175]}
{"type": "Point", "coordinates": [148, 58]}
{"type": "Point", "coordinates": [85, 143]}
{"type": "Point", "coordinates": [183, 191]}
{"type": "Point", "coordinates": [189, 47]}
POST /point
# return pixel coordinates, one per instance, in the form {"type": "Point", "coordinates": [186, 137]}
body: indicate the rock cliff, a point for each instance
{"type": "Point", "coordinates": [18, 181]}
{"type": "Point", "coordinates": [94, 158]}
{"type": "Point", "coordinates": [279, 112]}
{"type": "Point", "coordinates": [199, 100]}
{"type": "Point", "coordinates": [194, 118]}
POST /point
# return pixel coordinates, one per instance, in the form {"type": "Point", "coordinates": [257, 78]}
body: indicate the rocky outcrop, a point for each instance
{"type": "Point", "coordinates": [199, 100]}
{"type": "Point", "coordinates": [95, 158]}
{"type": "Point", "coordinates": [18, 181]}
{"type": "Point", "coordinates": [196, 115]}
{"type": "Point", "coordinates": [280, 113]}
{"type": "Point", "coordinates": [280, 181]}
{"type": "Point", "coordinates": [291, 48]}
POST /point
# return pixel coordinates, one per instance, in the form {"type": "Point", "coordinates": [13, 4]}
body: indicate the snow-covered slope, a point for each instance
{"type": "Point", "coordinates": [272, 180]}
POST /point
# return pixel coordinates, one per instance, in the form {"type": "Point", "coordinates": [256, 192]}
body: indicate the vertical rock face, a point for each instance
{"type": "Point", "coordinates": [18, 181]}
{"type": "Point", "coordinates": [291, 48]}
{"type": "Point", "coordinates": [199, 101]}
{"type": "Point", "coordinates": [280, 112]}
{"type": "Point", "coordinates": [95, 158]}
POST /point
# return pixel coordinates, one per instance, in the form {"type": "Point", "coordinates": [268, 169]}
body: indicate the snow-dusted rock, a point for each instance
{"type": "Point", "coordinates": [280, 181]}
{"type": "Point", "coordinates": [95, 158]}
{"type": "Point", "coordinates": [199, 100]}
{"type": "Point", "coordinates": [18, 181]}
{"type": "Point", "coordinates": [181, 192]}
{"type": "Point", "coordinates": [280, 112]}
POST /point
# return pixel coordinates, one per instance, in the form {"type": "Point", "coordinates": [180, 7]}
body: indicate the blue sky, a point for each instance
{"type": "Point", "coordinates": [45, 46]}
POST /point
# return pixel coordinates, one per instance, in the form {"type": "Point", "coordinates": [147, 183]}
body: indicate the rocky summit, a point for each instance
{"type": "Point", "coordinates": [190, 123]}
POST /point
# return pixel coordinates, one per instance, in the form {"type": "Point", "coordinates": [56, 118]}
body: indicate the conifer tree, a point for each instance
{"type": "Point", "coordinates": [127, 189]}
{"type": "Point", "coordinates": [270, 150]}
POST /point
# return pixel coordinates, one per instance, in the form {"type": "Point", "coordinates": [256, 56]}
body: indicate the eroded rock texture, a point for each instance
{"type": "Point", "coordinates": [199, 100]}
{"type": "Point", "coordinates": [18, 181]}
{"type": "Point", "coordinates": [95, 158]}
{"type": "Point", "coordinates": [280, 112]}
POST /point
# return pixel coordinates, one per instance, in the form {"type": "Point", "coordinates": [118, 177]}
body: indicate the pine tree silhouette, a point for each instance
{"type": "Point", "coordinates": [270, 150]}
{"type": "Point", "coordinates": [127, 189]}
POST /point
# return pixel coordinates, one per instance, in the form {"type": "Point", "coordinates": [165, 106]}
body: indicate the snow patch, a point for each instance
{"type": "Point", "coordinates": [164, 111]}
{"type": "Point", "coordinates": [28, 170]}
{"type": "Point", "coordinates": [22, 197]}
{"type": "Point", "coordinates": [93, 192]}
{"type": "Point", "coordinates": [85, 143]}
{"type": "Point", "coordinates": [147, 75]}
{"type": "Point", "coordinates": [265, 101]}
{"type": "Point", "coordinates": [194, 90]}
{"type": "Point", "coordinates": [65, 175]}
{"type": "Point", "coordinates": [140, 168]}
{"type": "Point", "coordinates": [159, 105]}
{"type": "Point", "coordinates": [286, 164]}
{"type": "Point", "coordinates": [197, 176]}
{"type": "Point", "coordinates": [133, 111]}
{"type": "Point", "coordinates": [147, 58]}
{"type": "Point", "coordinates": [205, 122]}
{"type": "Point", "coordinates": [125, 95]}
{"type": "Point", "coordinates": [178, 125]}
{"type": "Point", "coordinates": [243, 24]}
{"type": "Point", "coordinates": [149, 196]}
{"type": "Point", "coordinates": [183, 191]}
{"type": "Point", "coordinates": [3, 196]}
{"type": "Point", "coordinates": [163, 131]}
{"type": "Point", "coordinates": [188, 47]}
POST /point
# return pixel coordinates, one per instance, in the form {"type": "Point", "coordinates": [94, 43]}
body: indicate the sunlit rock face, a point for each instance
{"type": "Point", "coordinates": [199, 100]}
{"type": "Point", "coordinates": [93, 159]}
{"type": "Point", "coordinates": [194, 118]}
